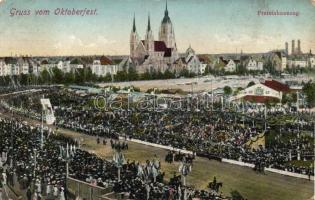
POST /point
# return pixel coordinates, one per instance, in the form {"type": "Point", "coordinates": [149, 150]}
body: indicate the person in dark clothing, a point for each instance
{"type": "Point", "coordinates": [29, 194]}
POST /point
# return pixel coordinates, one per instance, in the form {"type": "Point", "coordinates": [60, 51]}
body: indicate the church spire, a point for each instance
{"type": "Point", "coordinates": [166, 11]}
{"type": "Point", "coordinates": [134, 23]}
{"type": "Point", "coordinates": [149, 25]}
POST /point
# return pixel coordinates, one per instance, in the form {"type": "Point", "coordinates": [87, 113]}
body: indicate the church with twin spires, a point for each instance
{"type": "Point", "coordinates": [149, 54]}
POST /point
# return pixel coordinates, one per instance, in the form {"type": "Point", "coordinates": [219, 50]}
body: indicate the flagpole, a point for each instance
{"type": "Point", "coordinates": [67, 163]}
{"type": "Point", "coordinates": [41, 132]}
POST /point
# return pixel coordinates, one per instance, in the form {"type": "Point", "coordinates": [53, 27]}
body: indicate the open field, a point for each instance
{"type": "Point", "coordinates": [199, 84]}
{"type": "Point", "coordinates": [250, 184]}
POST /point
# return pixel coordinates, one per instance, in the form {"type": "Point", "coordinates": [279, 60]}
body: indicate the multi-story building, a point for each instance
{"type": "Point", "coordinates": [150, 54]}
{"type": "Point", "coordinates": [254, 65]}
{"type": "Point", "coordinates": [104, 66]}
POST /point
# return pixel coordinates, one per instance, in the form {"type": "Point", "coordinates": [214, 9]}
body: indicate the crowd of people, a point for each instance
{"type": "Point", "coordinates": [36, 164]}
{"type": "Point", "coordinates": [215, 134]}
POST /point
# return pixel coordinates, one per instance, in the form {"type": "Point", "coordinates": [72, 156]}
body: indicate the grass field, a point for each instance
{"type": "Point", "coordinates": [250, 184]}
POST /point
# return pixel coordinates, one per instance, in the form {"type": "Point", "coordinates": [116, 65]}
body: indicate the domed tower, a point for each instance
{"type": "Point", "coordinates": [166, 31]}
{"type": "Point", "coordinates": [134, 39]}
{"type": "Point", "coordinates": [149, 40]}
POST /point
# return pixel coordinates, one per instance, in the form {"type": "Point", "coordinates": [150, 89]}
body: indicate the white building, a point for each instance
{"type": "Point", "coordinates": [103, 67]}
{"type": "Point", "coordinates": [312, 62]}
{"type": "Point", "coordinates": [258, 93]}
{"type": "Point", "coordinates": [46, 65]}
{"type": "Point", "coordinates": [283, 62]}
{"type": "Point", "coordinates": [300, 63]}
{"type": "Point", "coordinates": [193, 64]}
{"type": "Point", "coordinates": [230, 66]}
{"type": "Point", "coordinates": [150, 54]}
{"type": "Point", "coordinates": [23, 66]}
{"type": "Point", "coordinates": [254, 65]}
{"type": "Point", "coordinates": [4, 68]}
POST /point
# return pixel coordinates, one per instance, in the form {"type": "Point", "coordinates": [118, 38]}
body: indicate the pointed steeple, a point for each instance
{"type": "Point", "coordinates": [149, 25]}
{"type": "Point", "coordinates": [134, 23]}
{"type": "Point", "coordinates": [166, 11]}
{"type": "Point", "coordinates": [166, 18]}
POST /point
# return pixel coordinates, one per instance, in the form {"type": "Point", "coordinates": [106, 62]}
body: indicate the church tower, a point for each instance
{"type": "Point", "coordinates": [166, 31]}
{"type": "Point", "coordinates": [149, 40]}
{"type": "Point", "coordinates": [134, 39]}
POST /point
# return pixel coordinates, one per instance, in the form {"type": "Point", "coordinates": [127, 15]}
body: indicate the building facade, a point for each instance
{"type": "Point", "coordinates": [150, 54]}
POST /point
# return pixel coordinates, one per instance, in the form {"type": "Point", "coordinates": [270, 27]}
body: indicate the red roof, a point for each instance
{"type": "Point", "coordinates": [259, 99]}
{"type": "Point", "coordinates": [161, 47]}
{"type": "Point", "coordinates": [276, 85]}
{"type": "Point", "coordinates": [106, 61]}
{"type": "Point", "coordinates": [168, 52]}
{"type": "Point", "coordinates": [224, 61]}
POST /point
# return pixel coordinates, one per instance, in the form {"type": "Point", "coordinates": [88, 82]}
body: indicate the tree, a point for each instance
{"type": "Point", "coordinates": [57, 75]}
{"type": "Point", "coordinates": [184, 73]}
{"type": "Point", "coordinates": [207, 70]}
{"type": "Point", "coordinates": [227, 90]}
{"type": "Point", "coordinates": [236, 92]}
{"type": "Point", "coordinates": [168, 74]}
{"type": "Point", "coordinates": [69, 78]}
{"type": "Point", "coordinates": [250, 84]}
{"type": "Point", "coordinates": [308, 90]}
{"type": "Point", "coordinates": [146, 75]}
{"type": "Point", "coordinates": [241, 69]}
{"type": "Point", "coordinates": [44, 77]}
{"type": "Point", "coordinates": [23, 79]}
{"type": "Point", "coordinates": [132, 74]}
{"type": "Point", "coordinates": [122, 75]}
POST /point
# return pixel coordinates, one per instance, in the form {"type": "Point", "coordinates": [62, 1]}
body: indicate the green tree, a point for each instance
{"type": "Point", "coordinates": [44, 77]}
{"type": "Point", "coordinates": [251, 84]}
{"type": "Point", "coordinates": [146, 75]}
{"type": "Point", "coordinates": [207, 70]}
{"type": "Point", "coordinates": [121, 75]}
{"type": "Point", "coordinates": [184, 73]}
{"type": "Point", "coordinates": [227, 90]}
{"type": "Point", "coordinates": [132, 74]}
{"type": "Point", "coordinates": [309, 91]}
{"type": "Point", "coordinates": [241, 69]}
{"type": "Point", "coordinates": [69, 78]}
{"type": "Point", "coordinates": [23, 79]}
{"type": "Point", "coordinates": [57, 75]}
{"type": "Point", "coordinates": [168, 74]}
{"type": "Point", "coordinates": [238, 90]}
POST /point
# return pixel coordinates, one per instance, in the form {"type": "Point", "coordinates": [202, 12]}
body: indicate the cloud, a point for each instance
{"type": "Point", "coordinates": [74, 40]}
{"type": "Point", "coordinates": [104, 40]}
{"type": "Point", "coordinates": [231, 39]}
{"type": "Point", "coordinates": [57, 45]}
{"type": "Point", "coordinates": [91, 45]}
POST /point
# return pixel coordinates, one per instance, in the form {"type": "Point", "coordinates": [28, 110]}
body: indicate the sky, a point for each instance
{"type": "Point", "coordinates": [209, 26]}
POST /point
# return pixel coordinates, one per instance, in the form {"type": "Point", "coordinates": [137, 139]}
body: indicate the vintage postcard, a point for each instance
{"type": "Point", "coordinates": [157, 99]}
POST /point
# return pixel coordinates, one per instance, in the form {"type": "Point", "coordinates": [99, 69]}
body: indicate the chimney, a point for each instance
{"type": "Point", "coordinates": [293, 47]}
{"type": "Point", "coordinates": [299, 47]}
{"type": "Point", "coordinates": [286, 48]}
